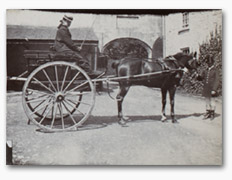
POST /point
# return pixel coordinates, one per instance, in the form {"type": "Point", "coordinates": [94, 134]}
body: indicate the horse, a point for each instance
{"type": "Point", "coordinates": [167, 82]}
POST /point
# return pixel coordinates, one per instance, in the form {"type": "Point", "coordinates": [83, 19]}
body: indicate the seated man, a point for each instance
{"type": "Point", "coordinates": [64, 46]}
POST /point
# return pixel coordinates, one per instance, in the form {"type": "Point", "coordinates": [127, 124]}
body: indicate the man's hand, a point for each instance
{"type": "Point", "coordinates": [213, 93]}
{"type": "Point", "coordinates": [185, 70]}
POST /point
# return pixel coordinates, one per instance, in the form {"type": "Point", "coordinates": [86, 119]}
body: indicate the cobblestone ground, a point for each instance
{"type": "Point", "coordinates": [145, 140]}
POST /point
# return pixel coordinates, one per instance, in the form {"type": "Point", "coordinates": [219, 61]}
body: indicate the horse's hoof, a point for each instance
{"type": "Point", "coordinates": [164, 119]}
{"type": "Point", "coordinates": [175, 121]}
{"type": "Point", "coordinates": [122, 122]}
{"type": "Point", "coordinates": [126, 119]}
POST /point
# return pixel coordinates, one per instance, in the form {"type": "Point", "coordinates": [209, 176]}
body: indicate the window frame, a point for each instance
{"type": "Point", "coordinates": [185, 20]}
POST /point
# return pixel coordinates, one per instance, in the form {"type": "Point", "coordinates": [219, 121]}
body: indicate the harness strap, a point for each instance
{"type": "Point", "coordinates": [160, 61]}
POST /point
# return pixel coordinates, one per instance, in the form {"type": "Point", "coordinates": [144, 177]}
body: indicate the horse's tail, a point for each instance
{"type": "Point", "coordinates": [114, 65]}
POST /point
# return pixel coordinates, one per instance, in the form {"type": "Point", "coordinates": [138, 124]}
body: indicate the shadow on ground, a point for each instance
{"type": "Point", "coordinates": [97, 122]}
{"type": "Point", "coordinates": [114, 119]}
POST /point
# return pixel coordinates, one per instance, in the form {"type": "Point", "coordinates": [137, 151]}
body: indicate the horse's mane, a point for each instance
{"type": "Point", "coordinates": [179, 54]}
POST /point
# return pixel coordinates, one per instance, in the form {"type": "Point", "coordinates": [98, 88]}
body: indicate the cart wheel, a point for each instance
{"type": "Point", "coordinates": [58, 96]}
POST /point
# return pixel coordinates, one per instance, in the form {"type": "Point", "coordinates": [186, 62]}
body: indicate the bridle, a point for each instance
{"type": "Point", "coordinates": [191, 66]}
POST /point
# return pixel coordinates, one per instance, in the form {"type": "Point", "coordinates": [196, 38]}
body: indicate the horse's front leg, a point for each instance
{"type": "Point", "coordinates": [120, 97]}
{"type": "Point", "coordinates": [164, 94]}
{"type": "Point", "coordinates": [172, 92]}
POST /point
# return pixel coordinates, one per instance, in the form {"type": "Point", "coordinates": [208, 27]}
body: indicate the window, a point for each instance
{"type": "Point", "coordinates": [185, 20]}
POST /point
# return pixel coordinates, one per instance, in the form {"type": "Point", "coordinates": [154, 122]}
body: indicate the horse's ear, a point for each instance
{"type": "Point", "coordinates": [195, 54]}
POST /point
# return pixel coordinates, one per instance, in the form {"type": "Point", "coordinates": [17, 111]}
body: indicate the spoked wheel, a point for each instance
{"type": "Point", "coordinates": [58, 96]}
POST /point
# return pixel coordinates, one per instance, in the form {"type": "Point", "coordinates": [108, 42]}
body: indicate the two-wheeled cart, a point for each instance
{"type": "Point", "coordinates": [59, 95]}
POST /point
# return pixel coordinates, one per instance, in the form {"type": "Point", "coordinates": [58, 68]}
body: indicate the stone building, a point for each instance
{"type": "Point", "coordinates": [144, 35]}
{"type": "Point", "coordinates": [20, 38]}
{"type": "Point", "coordinates": [187, 30]}
{"type": "Point", "coordinates": [117, 35]}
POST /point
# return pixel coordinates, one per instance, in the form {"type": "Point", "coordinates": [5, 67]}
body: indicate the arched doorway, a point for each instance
{"type": "Point", "coordinates": [125, 47]}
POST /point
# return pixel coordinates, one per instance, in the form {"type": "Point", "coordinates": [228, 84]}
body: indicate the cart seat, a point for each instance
{"type": "Point", "coordinates": [48, 55]}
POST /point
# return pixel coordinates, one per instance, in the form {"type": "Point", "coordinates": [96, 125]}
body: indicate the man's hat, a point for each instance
{"type": "Point", "coordinates": [68, 18]}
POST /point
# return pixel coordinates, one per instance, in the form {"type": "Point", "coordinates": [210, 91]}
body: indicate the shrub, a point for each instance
{"type": "Point", "coordinates": [213, 48]}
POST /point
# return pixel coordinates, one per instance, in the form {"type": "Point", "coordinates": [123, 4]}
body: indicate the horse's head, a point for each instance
{"type": "Point", "coordinates": [187, 61]}
{"type": "Point", "coordinates": [193, 63]}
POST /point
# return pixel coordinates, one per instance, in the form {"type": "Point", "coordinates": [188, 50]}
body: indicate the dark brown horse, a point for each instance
{"type": "Point", "coordinates": [166, 81]}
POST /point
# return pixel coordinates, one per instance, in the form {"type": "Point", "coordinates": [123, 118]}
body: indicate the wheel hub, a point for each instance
{"type": "Point", "coordinates": [59, 97]}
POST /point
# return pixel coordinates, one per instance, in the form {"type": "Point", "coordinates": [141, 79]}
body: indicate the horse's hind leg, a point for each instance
{"type": "Point", "coordinates": [164, 95]}
{"type": "Point", "coordinates": [120, 97]}
{"type": "Point", "coordinates": [172, 91]}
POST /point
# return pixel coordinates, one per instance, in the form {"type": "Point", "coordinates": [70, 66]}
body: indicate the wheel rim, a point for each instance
{"type": "Point", "coordinates": [58, 96]}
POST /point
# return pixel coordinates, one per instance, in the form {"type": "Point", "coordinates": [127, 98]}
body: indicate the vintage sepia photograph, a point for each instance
{"type": "Point", "coordinates": [114, 87]}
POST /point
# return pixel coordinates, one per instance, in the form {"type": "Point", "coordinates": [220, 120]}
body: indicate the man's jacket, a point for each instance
{"type": "Point", "coordinates": [63, 41]}
{"type": "Point", "coordinates": [211, 79]}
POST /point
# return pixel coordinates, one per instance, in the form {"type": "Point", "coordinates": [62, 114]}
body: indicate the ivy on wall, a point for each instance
{"type": "Point", "coordinates": [210, 48]}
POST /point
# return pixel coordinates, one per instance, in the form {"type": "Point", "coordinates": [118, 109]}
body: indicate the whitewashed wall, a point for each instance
{"type": "Point", "coordinates": [200, 26]}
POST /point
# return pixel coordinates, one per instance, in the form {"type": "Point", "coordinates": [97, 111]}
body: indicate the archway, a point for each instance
{"type": "Point", "coordinates": [127, 47]}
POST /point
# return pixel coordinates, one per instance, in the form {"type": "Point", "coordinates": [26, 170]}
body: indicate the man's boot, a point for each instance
{"type": "Point", "coordinates": [212, 114]}
{"type": "Point", "coordinates": [207, 114]}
